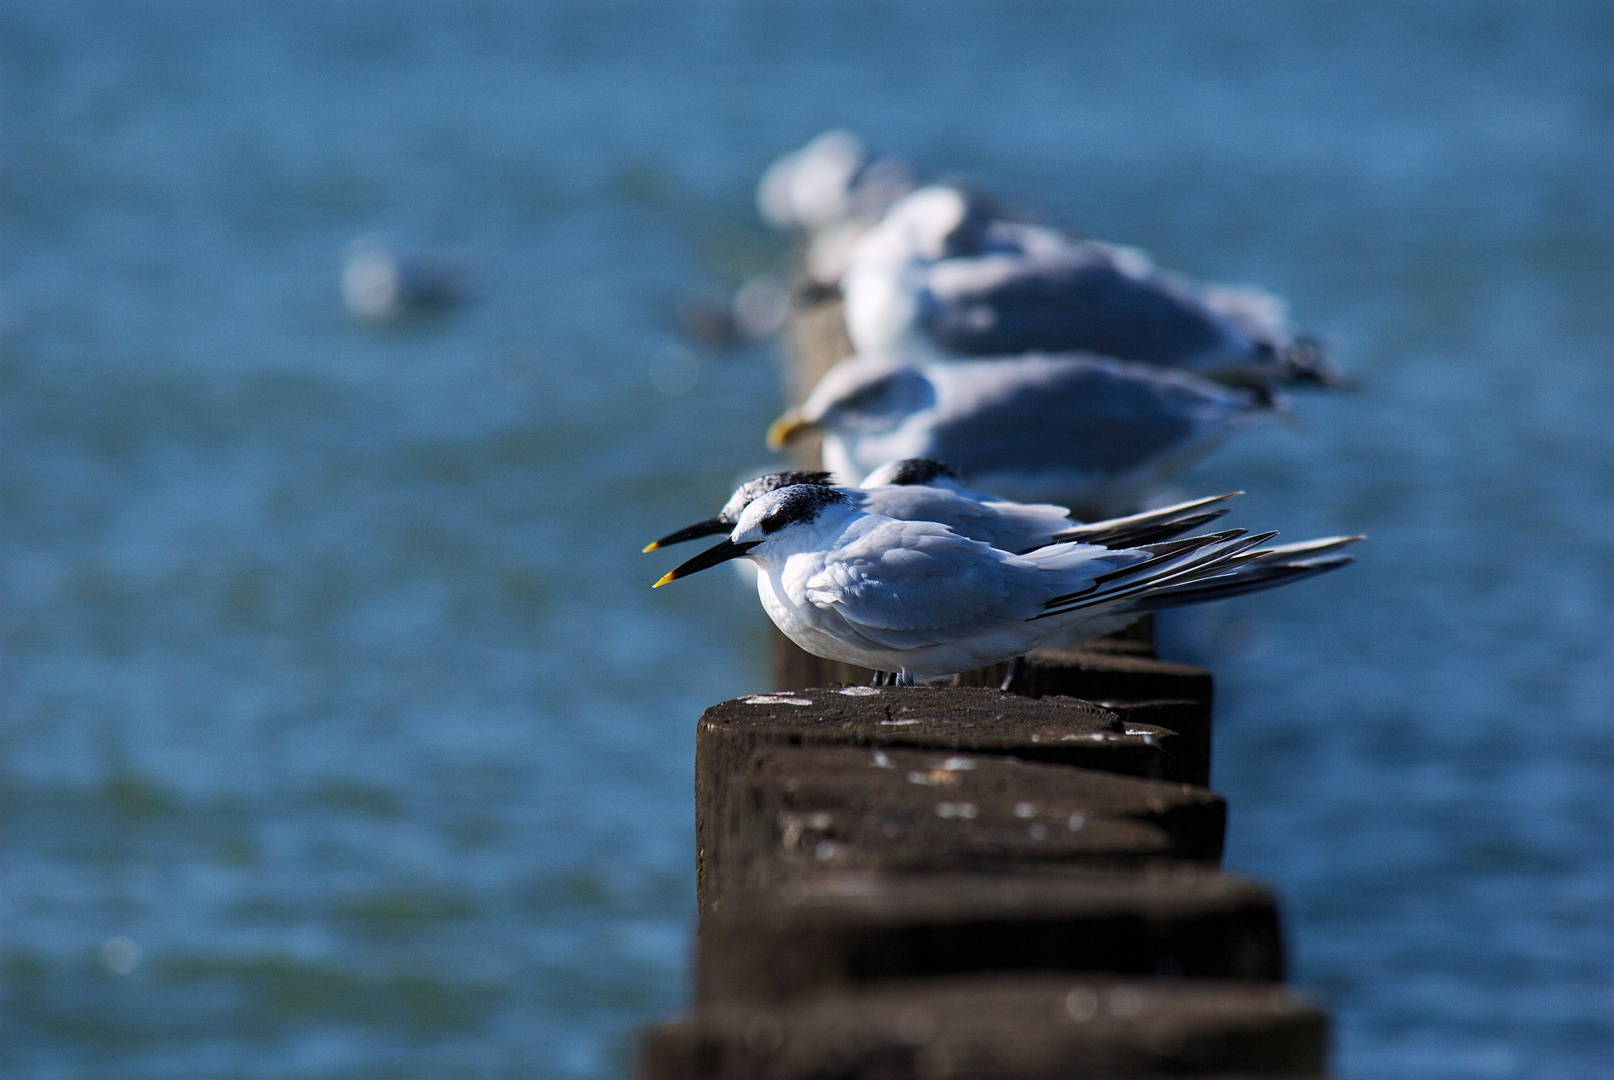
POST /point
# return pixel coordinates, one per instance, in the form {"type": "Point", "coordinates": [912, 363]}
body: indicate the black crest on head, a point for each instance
{"type": "Point", "coordinates": [752, 490]}
{"type": "Point", "coordinates": [778, 480]}
{"type": "Point", "coordinates": [800, 502]}
{"type": "Point", "coordinates": [755, 489]}
{"type": "Point", "coordinates": [919, 471]}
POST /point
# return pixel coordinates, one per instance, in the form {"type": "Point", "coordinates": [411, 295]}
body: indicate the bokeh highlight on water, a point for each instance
{"type": "Point", "coordinates": [343, 735]}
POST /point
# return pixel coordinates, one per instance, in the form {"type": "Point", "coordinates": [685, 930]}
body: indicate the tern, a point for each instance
{"type": "Point", "coordinates": [918, 489]}
{"type": "Point", "coordinates": [941, 276]}
{"type": "Point", "coordinates": [918, 599]}
{"type": "Point", "coordinates": [1088, 432]}
{"type": "Point", "coordinates": [829, 193]}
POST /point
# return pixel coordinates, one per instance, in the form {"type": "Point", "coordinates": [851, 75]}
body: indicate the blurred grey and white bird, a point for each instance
{"type": "Point", "coordinates": [379, 284]}
{"type": "Point", "coordinates": [1082, 431]}
{"type": "Point", "coordinates": [942, 275]}
{"type": "Point", "coordinates": [918, 599]}
{"type": "Point", "coordinates": [919, 489]}
{"type": "Point", "coordinates": [830, 192]}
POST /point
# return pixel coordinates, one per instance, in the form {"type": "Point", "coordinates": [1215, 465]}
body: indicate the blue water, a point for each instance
{"type": "Point", "coordinates": [339, 716]}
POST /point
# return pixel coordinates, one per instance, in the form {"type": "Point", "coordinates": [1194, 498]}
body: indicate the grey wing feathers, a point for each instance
{"type": "Point", "coordinates": [1073, 300]}
{"type": "Point", "coordinates": [1248, 570]}
{"type": "Point", "coordinates": [1005, 525]}
{"type": "Point", "coordinates": [1238, 582]}
{"type": "Point", "coordinates": [1093, 414]}
{"type": "Point", "coordinates": [884, 586]}
{"type": "Point", "coordinates": [1305, 549]}
{"type": "Point", "coordinates": [1151, 526]}
{"type": "Point", "coordinates": [1140, 535]}
{"type": "Point", "coordinates": [1175, 562]}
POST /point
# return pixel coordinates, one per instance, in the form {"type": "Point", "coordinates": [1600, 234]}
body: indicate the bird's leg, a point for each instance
{"type": "Point", "coordinates": [905, 678]}
{"type": "Point", "coordinates": [1016, 666]}
{"type": "Point", "coordinates": [877, 679]}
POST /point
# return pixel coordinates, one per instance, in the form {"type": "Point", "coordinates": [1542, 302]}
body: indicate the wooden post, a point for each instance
{"type": "Point", "coordinates": [800, 810]}
{"type": "Point", "coordinates": [976, 721]}
{"type": "Point", "coordinates": [1178, 696]}
{"type": "Point", "coordinates": [834, 933]}
{"type": "Point", "coordinates": [1037, 1025]}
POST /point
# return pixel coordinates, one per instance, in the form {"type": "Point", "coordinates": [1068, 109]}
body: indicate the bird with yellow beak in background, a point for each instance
{"type": "Point", "coordinates": [1092, 433]}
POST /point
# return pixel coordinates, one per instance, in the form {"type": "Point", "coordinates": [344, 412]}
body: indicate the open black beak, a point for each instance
{"type": "Point", "coordinates": [709, 527]}
{"type": "Point", "coordinates": [717, 553]}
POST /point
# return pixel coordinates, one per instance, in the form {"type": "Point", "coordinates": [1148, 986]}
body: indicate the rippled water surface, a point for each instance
{"type": "Point", "coordinates": [343, 736]}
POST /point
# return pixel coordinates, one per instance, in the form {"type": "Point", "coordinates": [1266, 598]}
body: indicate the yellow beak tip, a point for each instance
{"type": "Point", "coordinates": [668, 576]}
{"type": "Point", "coordinates": [653, 545]}
{"type": "Point", "coordinates": [784, 429]}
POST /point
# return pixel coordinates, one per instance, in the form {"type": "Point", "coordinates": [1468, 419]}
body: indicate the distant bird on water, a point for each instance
{"type": "Point", "coordinates": [918, 599]}
{"type": "Point", "coordinates": [943, 276]}
{"type": "Point", "coordinates": [380, 285]}
{"type": "Point", "coordinates": [1083, 431]}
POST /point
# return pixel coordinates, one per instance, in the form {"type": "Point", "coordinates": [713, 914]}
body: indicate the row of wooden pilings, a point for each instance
{"type": "Point", "coordinates": [969, 882]}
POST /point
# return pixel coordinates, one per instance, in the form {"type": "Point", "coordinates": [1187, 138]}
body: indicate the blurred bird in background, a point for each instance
{"type": "Point", "coordinates": [1041, 366]}
{"type": "Point", "coordinates": [382, 285]}
{"type": "Point", "coordinates": [942, 276]}
{"type": "Point", "coordinates": [829, 193]}
{"type": "Point", "coordinates": [1084, 431]}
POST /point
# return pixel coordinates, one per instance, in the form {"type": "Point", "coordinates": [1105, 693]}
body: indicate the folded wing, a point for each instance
{"type": "Point", "coordinates": [1084, 298]}
{"type": "Point", "coordinates": [908, 585]}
